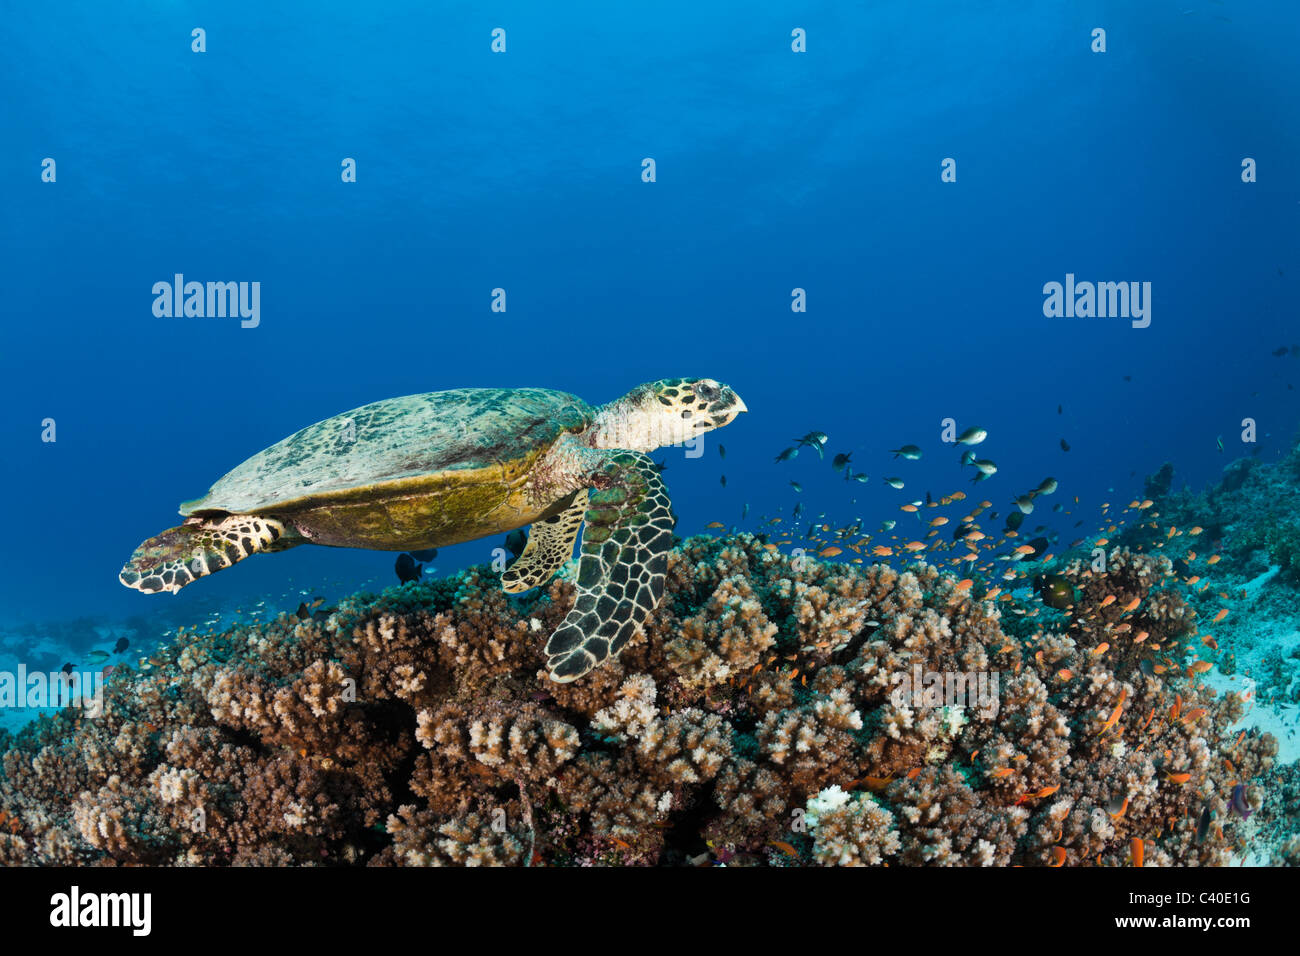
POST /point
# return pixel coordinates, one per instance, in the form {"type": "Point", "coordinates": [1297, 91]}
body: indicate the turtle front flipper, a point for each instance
{"type": "Point", "coordinates": [199, 547]}
{"type": "Point", "coordinates": [624, 562]}
{"type": "Point", "coordinates": [550, 544]}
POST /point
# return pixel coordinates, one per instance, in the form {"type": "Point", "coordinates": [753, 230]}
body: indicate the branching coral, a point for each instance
{"type": "Point", "coordinates": [776, 709]}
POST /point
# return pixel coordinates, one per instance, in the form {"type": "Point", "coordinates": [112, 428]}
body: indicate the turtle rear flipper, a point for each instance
{"type": "Point", "coordinates": [550, 544]}
{"type": "Point", "coordinates": [624, 563]}
{"type": "Point", "coordinates": [199, 547]}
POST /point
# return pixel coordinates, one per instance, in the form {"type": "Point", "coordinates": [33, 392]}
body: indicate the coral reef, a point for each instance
{"type": "Point", "coordinates": [758, 720]}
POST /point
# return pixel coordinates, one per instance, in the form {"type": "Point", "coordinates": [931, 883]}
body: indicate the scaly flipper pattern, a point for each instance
{"type": "Point", "coordinates": [550, 544]}
{"type": "Point", "coordinates": [624, 562]}
{"type": "Point", "coordinates": [201, 546]}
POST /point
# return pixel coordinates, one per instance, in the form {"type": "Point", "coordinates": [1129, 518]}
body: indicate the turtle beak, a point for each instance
{"type": "Point", "coordinates": [728, 406]}
{"type": "Point", "coordinates": [736, 402]}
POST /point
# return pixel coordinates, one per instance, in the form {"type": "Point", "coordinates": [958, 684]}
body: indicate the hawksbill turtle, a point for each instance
{"type": "Point", "coordinates": [424, 471]}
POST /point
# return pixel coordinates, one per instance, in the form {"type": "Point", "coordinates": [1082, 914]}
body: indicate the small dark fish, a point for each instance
{"type": "Point", "coordinates": [1280, 351]}
{"type": "Point", "coordinates": [724, 481]}
{"type": "Point", "coordinates": [661, 466]}
{"type": "Point", "coordinates": [69, 667]}
{"type": "Point", "coordinates": [516, 541]}
{"type": "Point", "coordinates": [1065, 446]}
{"type": "Point", "coordinates": [406, 568]}
{"type": "Point", "coordinates": [1060, 409]}
{"type": "Point", "coordinates": [425, 554]}
{"type": "Point", "coordinates": [1055, 591]}
{"type": "Point", "coordinates": [796, 486]}
{"type": "Point", "coordinates": [304, 611]}
{"type": "Point", "coordinates": [121, 645]}
{"type": "Point", "coordinates": [787, 454]}
{"type": "Point", "coordinates": [1015, 519]}
{"type": "Point", "coordinates": [798, 510]}
{"type": "Point", "coordinates": [841, 461]}
{"type": "Point", "coordinates": [1128, 378]}
{"type": "Point", "coordinates": [1203, 824]}
{"type": "Point", "coordinates": [722, 450]}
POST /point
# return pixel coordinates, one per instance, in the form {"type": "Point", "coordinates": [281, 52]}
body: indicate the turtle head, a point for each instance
{"type": "Point", "coordinates": [668, 412]}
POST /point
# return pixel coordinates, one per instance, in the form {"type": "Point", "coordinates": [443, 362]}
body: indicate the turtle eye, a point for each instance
{"type": "Point", "coordinates": [707, 389]}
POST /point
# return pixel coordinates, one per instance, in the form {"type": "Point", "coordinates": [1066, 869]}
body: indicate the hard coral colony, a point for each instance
{"type": "Point", "coordinates": [754, 722]}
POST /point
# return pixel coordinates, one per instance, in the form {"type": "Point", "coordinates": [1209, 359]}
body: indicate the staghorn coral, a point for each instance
{"type": "Point", "coordinates": [775, 705]}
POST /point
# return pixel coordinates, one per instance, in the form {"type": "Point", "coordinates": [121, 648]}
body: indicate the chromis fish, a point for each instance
{"type": "Point", "coordinates": [841, 461]}
{"type": "Point", "coordinates": [1046, 487]}
{"type": "Point", "coordinates": [972, 436]}
{"type": "Point", "coordinates": [910, 452]}
{"type": "Point", "coordinates": [815, 440]}
{"type": "Point", "coordinates": [896, 483]}
{"type": "Point", "coordinates": [787, 454]}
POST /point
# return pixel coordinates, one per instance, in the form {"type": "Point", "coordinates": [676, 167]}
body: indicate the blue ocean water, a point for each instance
{"type": "Point", "coordinates": [522, 170]}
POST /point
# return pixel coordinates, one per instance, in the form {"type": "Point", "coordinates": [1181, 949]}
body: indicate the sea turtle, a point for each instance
{"type": "Point", "coordinates": [440, 468]}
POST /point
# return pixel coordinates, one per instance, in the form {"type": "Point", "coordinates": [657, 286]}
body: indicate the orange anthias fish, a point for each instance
{"type": "Point", "coordinates": [1138, 852]}
{"type": "Point", "coordinates": [1220, 616]}
{"type": "Point", "coordinates": [1058, 856]}
{"type": "Point", "coordinates": [1037, 795]}
{"type": "Point", "coordinates": [1114, 714]}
